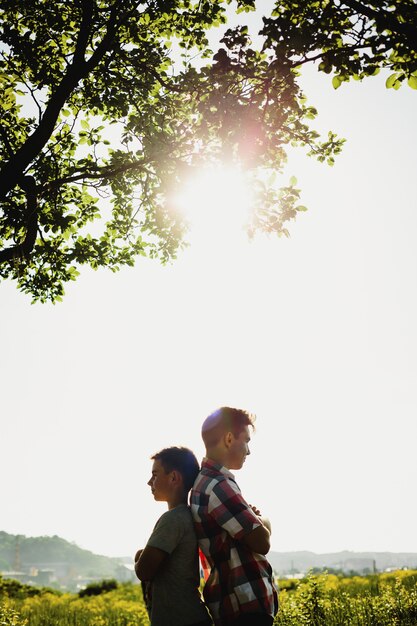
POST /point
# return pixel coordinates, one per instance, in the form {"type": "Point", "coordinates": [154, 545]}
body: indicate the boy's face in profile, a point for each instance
{"type": "Point", "coordinates": [160, 482]}
{"type": "Point", "coordinates": [239, 449]}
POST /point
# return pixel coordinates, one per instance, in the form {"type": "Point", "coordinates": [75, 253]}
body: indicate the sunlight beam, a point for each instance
{"type": "Point", "coordinates": [216, 203]}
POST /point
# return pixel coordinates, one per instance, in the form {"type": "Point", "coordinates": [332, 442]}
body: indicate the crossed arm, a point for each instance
{"type": "Point", "coordinates": [258, 540]}
{"type": "Point", "coordinates": [148, 561]}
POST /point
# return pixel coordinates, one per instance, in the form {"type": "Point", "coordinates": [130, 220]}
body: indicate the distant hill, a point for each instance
{"type": "Point", "coordinates": [66, 559]}
{"type": "Point", "coordinates": [68, 562]}
{"type": "Point", "coordinates": [291, 562]}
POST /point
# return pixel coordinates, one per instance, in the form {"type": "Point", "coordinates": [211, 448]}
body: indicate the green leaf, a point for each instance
{"type": "Point", "coordinates": [336, 82]}
{"type": "Point", "coordinates": [412, 82]}
{"type": "Point", "coordinates": [391, 80]}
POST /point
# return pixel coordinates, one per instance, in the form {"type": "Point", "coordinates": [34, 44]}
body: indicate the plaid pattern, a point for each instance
{"type": "Point", "coordinates": [240, 581]}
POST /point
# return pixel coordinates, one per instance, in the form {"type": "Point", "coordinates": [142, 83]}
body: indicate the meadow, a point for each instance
{"type": "Point", "coordinates": [388, 599]}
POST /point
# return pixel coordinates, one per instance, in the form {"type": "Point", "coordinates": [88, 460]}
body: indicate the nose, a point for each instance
{"type": "Point", "coordinates": [247, 451]}
{"type": "Point", "coordinates": [149, 482]}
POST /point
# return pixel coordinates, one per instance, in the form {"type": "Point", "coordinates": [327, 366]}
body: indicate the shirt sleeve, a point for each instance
{"type": "Point", "coordinates": [167, 533]}
{"type": "Point", "coordinates": [231, 511]}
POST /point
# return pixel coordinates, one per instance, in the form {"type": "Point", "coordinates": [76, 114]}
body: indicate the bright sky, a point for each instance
{"type": "Point", "coordinates": [316, 334]}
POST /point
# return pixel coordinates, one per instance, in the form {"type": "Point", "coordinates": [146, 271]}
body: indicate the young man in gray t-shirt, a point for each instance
{"type": "Point", "coordinates": [168, 565]}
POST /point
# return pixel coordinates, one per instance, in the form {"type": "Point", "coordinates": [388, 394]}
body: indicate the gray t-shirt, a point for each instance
{"type": "Point", "coordinates": [176, 599]}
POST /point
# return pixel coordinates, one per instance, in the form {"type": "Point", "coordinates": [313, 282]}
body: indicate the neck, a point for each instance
{"type": "Point", "coordinates": [177, 500]}
{"type": "Point", "coordinates": [218, 457]}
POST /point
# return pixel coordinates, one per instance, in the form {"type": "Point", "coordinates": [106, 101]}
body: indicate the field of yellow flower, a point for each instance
{"type": "Point", "coordinates": [120, 607]}
{"type": "Point", "coordinates": [322, 600]}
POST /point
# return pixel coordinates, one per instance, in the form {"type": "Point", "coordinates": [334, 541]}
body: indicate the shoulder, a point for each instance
{"type": "Point", "coordinates": [180, 515]}
{"type": "Point", "coordinates": [215, 485]}
{"type": "Point", "coordinates": [225, 487]}
{"type": "Point", "coordinates": [171, 528]}
{"type": "Point", "coordinates": [165, 517]}
{"type": "Point", "coordinates": [168, 520]}
{"type": "Point", "coordinates": [209, 479]}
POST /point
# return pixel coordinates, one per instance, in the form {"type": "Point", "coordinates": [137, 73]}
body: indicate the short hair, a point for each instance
{"type": "Point", "coordinates": [181, 460]}
{"type": "Point", "coordinates": [223, 420]}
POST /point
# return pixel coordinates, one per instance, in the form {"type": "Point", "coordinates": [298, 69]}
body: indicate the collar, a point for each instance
{"type": "Point", "coordinates": [213, 466]}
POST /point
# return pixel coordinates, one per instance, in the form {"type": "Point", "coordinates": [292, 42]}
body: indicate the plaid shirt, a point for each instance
{"type": "Point", "coordinates": [240, 580]}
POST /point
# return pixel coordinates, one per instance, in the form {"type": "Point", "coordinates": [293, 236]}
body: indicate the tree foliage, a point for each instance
{"type": "Point", "coordinates": [351, 38]}
{"type": "Point", "coordinates": [97, 588]}
{"type": "Point", "coordinates": [108, 106]}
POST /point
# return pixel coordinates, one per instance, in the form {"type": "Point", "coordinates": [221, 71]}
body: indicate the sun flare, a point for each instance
{"type": "Point", "coordinates": [216, 202]}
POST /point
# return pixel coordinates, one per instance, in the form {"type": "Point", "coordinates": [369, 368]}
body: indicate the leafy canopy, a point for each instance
{"type": "Point", "coordinates": [351, 38]}
{"type": "Point", "coordinates": [108, 106]}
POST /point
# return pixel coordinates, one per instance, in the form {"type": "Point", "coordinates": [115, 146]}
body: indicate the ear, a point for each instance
{"type": "Point", "coordinates": [176, 477]}
{"type": "Point", "coordinates": [228, 439]}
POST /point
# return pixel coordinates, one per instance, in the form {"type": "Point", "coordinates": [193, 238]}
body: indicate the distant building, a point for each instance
{"type": "Point", "coordinates": [61, 569]}
{"type": "Point", "coordinates": [20, 576]}
{"type": "Point", "coordinates": [38, 577]}
{"type": "Point", "coordinates": [45, 577]}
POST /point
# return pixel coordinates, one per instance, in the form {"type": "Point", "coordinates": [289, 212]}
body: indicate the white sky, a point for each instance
{"type": "Point", "coordinates": [315, 334]}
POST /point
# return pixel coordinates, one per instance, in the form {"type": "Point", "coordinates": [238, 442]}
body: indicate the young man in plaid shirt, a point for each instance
{"type": "Point", "coordinates": [232, 535]}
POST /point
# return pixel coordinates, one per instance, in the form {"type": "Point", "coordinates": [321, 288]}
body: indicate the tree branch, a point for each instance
{"type": "Point", "coordinates": [322, 54]}
{"type": "Point", "coordinates": [78, 69]}
{"type": "Point", "coordinates": [6, 141]}
{"type": "Point", "coordinates": [83, 33]}
{"type": "Point", "coordinates": [28, 184]}
{"type": "Point", "coordinates": [387, 20]}
{"type": "Point", "coordinates": [104, 172]}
